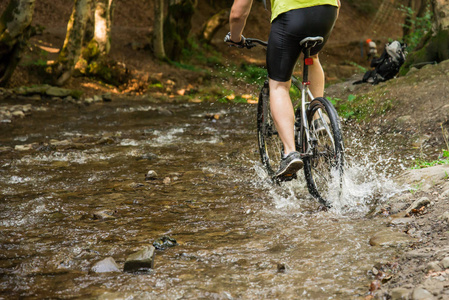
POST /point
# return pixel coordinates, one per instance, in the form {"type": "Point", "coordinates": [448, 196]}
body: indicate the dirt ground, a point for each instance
{"type": "Point", "coordinates": [131, 45]}
{"type": "Point", "coordinates": [419, 111]}
{"type": "Point", "coordinates": [420, 114]}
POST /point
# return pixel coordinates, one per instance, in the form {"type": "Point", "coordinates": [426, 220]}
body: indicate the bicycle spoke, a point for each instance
{"type": "Point", "coordinates": [327, 149]}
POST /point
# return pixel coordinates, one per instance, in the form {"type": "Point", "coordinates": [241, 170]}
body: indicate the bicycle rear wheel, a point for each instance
{"type": "Point", "coordinates": [270, 145]}
{"type": "Point", "coordinates": [324, 168]}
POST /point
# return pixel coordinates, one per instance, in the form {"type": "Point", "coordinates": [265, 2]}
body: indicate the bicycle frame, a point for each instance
{"type": "Point", "coordinates": [305, 92]}
{"type": "Point", "coordinates": [317, 132]}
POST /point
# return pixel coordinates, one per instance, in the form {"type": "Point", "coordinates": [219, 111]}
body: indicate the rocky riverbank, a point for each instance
{"type": "Point", "coordinates": [417, 223]}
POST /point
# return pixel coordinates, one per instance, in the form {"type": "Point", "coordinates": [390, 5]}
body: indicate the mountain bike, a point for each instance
{"type": "Point", "coordinates": [318, 135]}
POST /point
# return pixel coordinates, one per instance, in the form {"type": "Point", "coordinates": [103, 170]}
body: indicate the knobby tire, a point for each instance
{"type": "Point", "coordinates": [323, 170]}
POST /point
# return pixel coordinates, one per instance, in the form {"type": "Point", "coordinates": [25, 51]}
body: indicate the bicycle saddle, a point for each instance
{"type": "Point", "coordinates": [310, 42]}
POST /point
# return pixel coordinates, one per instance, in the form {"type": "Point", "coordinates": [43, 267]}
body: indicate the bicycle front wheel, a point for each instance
{"type": "Point", "coordinates": [323, 168]}
{"type": "Point", "coordinates": [270, 144]}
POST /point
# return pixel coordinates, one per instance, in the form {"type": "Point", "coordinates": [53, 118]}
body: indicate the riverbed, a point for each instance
{"type": "Point", "coordinates": [239, 236]}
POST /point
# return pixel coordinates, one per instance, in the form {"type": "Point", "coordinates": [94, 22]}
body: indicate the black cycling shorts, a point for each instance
{"type": "Point", "coordinates": [288, 29]}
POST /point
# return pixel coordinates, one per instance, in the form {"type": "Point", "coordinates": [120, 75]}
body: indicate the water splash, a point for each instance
{"type": "Point", "coordinates": [367, 180]}
{"type": "Point", "coordinates": [166, 137]}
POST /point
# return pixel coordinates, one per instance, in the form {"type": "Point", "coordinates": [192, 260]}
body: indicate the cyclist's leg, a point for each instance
{"type": "Point", "coordinates": [287, 30]}
{"type": "Point", "coordinates": [316, 77]}
{"type": "Point", "coordinates": [283, 113]}
{"type": "Point", "coordinates": [317, 80]}
{"type": "Point", "coordinates": [282, 52]}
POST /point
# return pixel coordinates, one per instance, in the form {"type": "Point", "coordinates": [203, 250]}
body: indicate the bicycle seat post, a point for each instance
{"type": "Point", "coordinates": [307, 61]}
{"type": "Point", "coordinates": [308, 43]}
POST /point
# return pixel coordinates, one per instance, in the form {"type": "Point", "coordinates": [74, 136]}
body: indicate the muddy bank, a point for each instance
{"type": "Point", "coordinates": [421, 217]}
{"type": "Point", "coordinates": [418, 113]}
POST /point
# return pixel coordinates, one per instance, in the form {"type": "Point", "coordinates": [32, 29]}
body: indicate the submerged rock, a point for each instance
{"type": "Point", "coordinates": [390, 238]}
{"type": "Point", "coordinates": [142, 260]}
{"type": "Point", "coordinates": [151, 175]}
{"type": "Point", "coordinates": [18, 114]}
{"type": "Point", "coordinates": [164, 111]}
{"type": "Point", "coordinates": [281, 268]}
{"type": "Point", "coordinates": [107, 97]}
{"type": "Point", "coordinates": [105, 214]}
{"type": "Point", "coordinates": [58, 92]}
{"type": "Point", "coordinates": [106, 265]}
{"type": "Point", "coordinates": [164, 242]}
{"type": "Point", "coordinates": [167, 180]}
{"type": "Point", "coordinates": [401, 221]}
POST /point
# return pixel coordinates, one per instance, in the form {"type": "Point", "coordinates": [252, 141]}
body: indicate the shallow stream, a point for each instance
{"type": "Point", "coordinates": [239, 237]}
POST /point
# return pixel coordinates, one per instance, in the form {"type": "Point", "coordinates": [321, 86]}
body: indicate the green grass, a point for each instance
{"type": "Point", "coordinates": [361, 107]}
{"type": "Point", "coordinates": [252, 74]}
{"type": "Point", "coordinates": [362, 69]}
{"type": "Point", "coordinates": [421, 163]}
{"type": "Point", "coordinates": [40, 61]}
{"type": "Point", "coordinates": [200, 54]}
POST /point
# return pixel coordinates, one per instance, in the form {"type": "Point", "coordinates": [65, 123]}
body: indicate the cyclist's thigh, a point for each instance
{"type": "Point", "coordinates": [288, 29]}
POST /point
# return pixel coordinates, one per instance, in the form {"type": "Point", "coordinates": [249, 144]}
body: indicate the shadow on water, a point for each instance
{"type": "Point", "coordinates": [239, 236]}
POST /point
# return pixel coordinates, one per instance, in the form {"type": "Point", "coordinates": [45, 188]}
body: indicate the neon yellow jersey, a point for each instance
{"type": "Point", "coordinates": [280, 6]}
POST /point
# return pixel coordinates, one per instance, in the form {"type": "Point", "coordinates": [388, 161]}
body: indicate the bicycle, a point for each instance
{"type": "Point", "coordinates": [318, 135]}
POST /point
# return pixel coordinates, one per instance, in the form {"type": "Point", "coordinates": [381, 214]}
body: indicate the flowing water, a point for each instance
{"type": "Point", "coordinates": [239, 237]}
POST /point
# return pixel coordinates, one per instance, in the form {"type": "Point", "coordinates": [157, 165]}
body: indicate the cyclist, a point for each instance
{"type": "Point", "coordinates": [291, 21]}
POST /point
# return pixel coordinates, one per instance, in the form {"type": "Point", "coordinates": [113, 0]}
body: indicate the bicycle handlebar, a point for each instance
{"type": "Point", "coordinates": [250, 43]}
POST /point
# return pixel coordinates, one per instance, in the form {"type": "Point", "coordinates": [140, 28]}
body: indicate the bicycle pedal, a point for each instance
{"type": "Point", "coordinates": [286, 177]}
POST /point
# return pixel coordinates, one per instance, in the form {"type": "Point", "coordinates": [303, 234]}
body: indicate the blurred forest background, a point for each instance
{"type": "Point", "coordinates": [175, 47]}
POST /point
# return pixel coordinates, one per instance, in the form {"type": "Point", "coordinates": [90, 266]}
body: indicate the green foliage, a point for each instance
{"type": "Point", "coordinates": [362, 69]}
{"type": "Point", "coordinates": [156, 85]}
{"type": "Point", "coordinates": [188, 67]}
{"type": "Point", "coordinates": [446, 153]}
{"type": "Point", "coordinates": [252, 74]}
{"type": "Point", "coordinates": [416, 188]}
{"type": "Point", "coordinates": [421, 163]}
{"type": "Point", "coordinates": [443, 158]}
{"type": "Point", "coordinates": [39, 61]}
{"type": "Point", "coordinates": [107, 71]}
{"type": "Point", "coordinates": [76, 94]}
{"type": "Point", "coordinates": [361, 107]}
{"type": "Point", "coordinates": [418, 26]}
{"type": "Point", "coordinates": [295, 93]}
{"type": "Point", "coordinates": [216, 93]}
{"type": "Point", "coordinates": [239, 99]}
{"type": "Point", "coordinates": [201, 54]}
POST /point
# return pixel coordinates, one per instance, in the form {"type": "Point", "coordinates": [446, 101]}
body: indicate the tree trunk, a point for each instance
{"type": "Point", "coordinates": [435, 45]}
{"type": "Point", "coordinates": [418, 7]}
{"type": "Point", "coordinates": [98, 31]}
{"type": "Point", "coordinates": [177, 27]}
{"type": "Point", "coordinates": [15, 30]}
{"type": "Point", "coordinates": [70, 52]}
{"type": "Point", "coordinates": [103, 21]}
{"type": "Point", "coordinates": [441, 14]}
{"type": "Point", "coordinates": [158, 30]}
{"type": "Point", "coordinates": [214, 24]}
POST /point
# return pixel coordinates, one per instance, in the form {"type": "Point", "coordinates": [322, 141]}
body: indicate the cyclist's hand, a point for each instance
{"type": "Point", "coordinates": [240, 44]}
